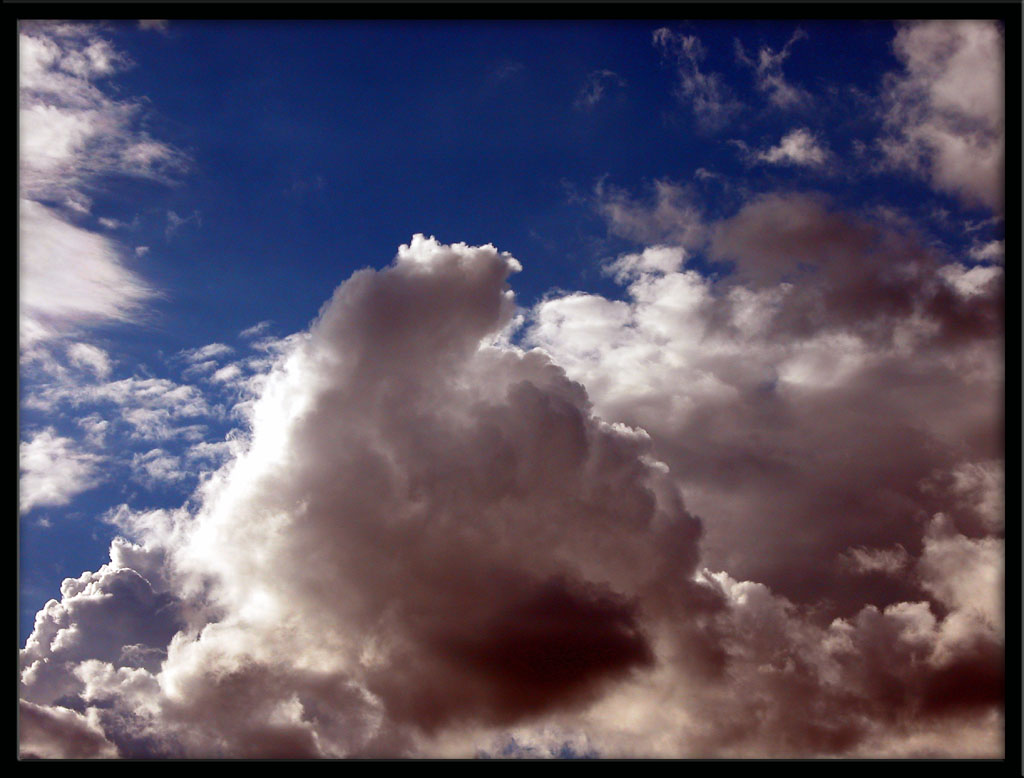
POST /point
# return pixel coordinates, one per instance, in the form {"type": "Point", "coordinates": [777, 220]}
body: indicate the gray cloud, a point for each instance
{"type": "Point", "coordinates": [433, 541]}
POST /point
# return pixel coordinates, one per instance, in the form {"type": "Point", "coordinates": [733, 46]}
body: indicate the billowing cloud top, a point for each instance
{"type": "Point", "coordinates": [430, 535]}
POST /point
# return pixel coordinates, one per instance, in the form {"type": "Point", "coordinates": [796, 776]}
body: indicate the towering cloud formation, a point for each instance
{"type": "Point", "coordinates": [424, 530]}
{"type": "Point", "coordinates": [430, 543]}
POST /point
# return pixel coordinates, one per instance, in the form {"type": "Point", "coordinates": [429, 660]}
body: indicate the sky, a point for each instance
{"type": "Point", "coordinates": [511, 389]}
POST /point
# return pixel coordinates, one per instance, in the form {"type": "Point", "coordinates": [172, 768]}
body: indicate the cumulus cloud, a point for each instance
{"type": "Point", "coordinates": [818, 389]}
{"type": "Point", "coordinates": [433, 542]}
{"type": "Point", "coordinates": [54, 469]}
{"type": "Point", "coordinates": [945, 109]}
{"type": "Point", "coordinates": [712, 102]}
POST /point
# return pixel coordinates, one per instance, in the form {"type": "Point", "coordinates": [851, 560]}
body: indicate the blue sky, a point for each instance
{"type": "Point", "coordinates": [194, 192]}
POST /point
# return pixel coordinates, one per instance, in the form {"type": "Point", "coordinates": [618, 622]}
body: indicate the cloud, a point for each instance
{"type": "Point", "coordinates": [945, 109]}
{"type": "Point", "coordinates": [153, 408]}
{"type": "Point", "coordinates": [797, 147]}
{"type": "Point", "coordinates": [203, 353]}
{"type": "Point", "coordinates": [53, 470]}
{"type": "Point", "coordinates": [991, 251]}
{"type": "Point", "coordinates": [71, 132]}
{"type": "Point", "coordinates": [488, 531]}
{"type": "Point", "coordinates": [595, 86]}
{"type": "Point", "coordinates": [175, 222]}
{"type": "Point", "coordinates": [887, 561]}
{"type": "Point", "coordinates": [254, 330]}
{"type": "Point", "coordinates": [817, 389]}
{"type": "Point", "coordinates": [674, 217]}
{"type": "Point", "coordinates": [70, 277]}
{"type": "Point", "coordinates": [711, 100]}
{"type": "Point", "coordinates": [433, 542]}
{"type": "Point", "coordinates": [769, 77]}
{"type": "Point", "coordinates": [59, 733]}
{"type": "Point", "coordinates": [92, 357]}
{"type": "Point", "coordinates": [157, 466]}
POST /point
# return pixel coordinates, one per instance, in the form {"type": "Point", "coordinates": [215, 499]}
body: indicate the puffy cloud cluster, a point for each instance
{"type": "Point", "coordinates": [946, 108]}
{"type": "Point", "coordinates": [827, 389]}
{"type": "Point", "coordinates": [435, 542]}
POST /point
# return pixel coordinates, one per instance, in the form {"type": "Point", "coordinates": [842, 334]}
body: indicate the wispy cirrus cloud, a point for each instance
{"type": "Point", "coordinates": [768, 73]}
{"type": "Point", "coordinates": [711, 100]}
{"type": "Point", "coordinates": [72, 133]}
{"type": "Point", "coordinates": [596, 86]}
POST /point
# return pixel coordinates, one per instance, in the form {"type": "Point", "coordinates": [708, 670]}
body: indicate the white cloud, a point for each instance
{"type": "Point", "coordinates": [254, 330]}
{"type": "Point", "coordinates": [157, 466]}
{"type": "Point", "coordinates": [769, 77]}
{"type": "Point", "coordinates": [55, 732]}
{"type": "Point", "coordinates": [991, 251]}
{"type": "Point", "coordinates": [888, 561]}
{"type": "Point", "coordinates": [654, 259]}
{"type": "Point", "coordinates": [945, 109]}
{"type": "Point", "coordinates": [835, 358]}
{"type": "Point", "coordinates": [203, 353]}
{"type": "Point", "coordinates": [71, 132]}
{"type": "Point", "coordinates": [92, 357]}
{"type": "Point", "coordinates": [70, 277]}
{"type": "Point", "coordinates": [797, 147]}
{"type": "Point", "coordinates": [53, 470]}
{"type": "Point", "coordinates": [175, 222]}
{"type": "Point", "coordinates": [226, 374]}
{"type": "Point", "coordinates": [707, 94]}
